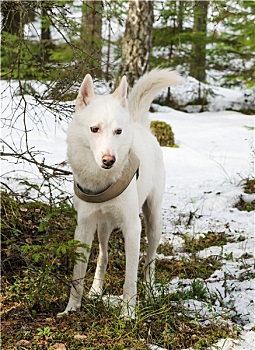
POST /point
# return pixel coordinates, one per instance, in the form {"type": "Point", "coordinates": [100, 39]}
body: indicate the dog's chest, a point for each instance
{"type": "Point", "coordinates": [113, 214]}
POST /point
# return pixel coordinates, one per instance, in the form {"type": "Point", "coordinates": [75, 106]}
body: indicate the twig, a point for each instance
{"type": "Point", "coordinates": [57, 171]}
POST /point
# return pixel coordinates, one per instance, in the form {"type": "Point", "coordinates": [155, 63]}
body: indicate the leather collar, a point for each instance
{"type": "Point", "coordinates": [115, 189]}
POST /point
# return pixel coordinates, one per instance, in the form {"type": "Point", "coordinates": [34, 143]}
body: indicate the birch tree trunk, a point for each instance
{"type": "Point", "coordinates": [136, 44]}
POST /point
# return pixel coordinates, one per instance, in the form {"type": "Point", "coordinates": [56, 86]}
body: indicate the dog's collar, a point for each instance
{"type": "Point", "coordinates": [116, 188]}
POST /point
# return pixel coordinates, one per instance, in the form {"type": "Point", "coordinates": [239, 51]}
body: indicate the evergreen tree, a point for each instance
{"type": "Point", "coordinates": [172, 36]}
{"type": "Point", "coordinates": [213, 36]}
{"type": "Point", "coordinates": [233, 42]}
{"type": "Point", "coordinates": [227, 46]}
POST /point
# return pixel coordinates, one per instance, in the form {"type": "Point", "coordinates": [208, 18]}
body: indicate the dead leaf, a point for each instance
{"type": "Point", "coordinates": [8, 251]}
{"type": "Point", "coordinates": [24, 343]}
{"type": "Point", "coordinates": [59, 346]}
{"type": "Point", "coordinates": [23, 210]}
{"type": "Point", "coordinates": [80, 337]}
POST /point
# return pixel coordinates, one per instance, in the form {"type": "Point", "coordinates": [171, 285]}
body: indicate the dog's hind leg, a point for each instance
{"type": "Point", "coordinates": [84, 233]}
{"type": "Point", "coordinates": [104, 231]}
{"type": "Point", "coordinates": [132, 233]}
{"type": "Point", "coordinates": [153, 228]}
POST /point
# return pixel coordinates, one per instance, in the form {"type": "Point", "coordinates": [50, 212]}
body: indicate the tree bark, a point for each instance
{"type": "Point", "coordinates": [46, 42]}
{"type": "Point", "coordinates": [91, 33]}
{"type": "Point", "coordinates": [136, 44]}
{"type": "Point", "coordinates": [198, 55]}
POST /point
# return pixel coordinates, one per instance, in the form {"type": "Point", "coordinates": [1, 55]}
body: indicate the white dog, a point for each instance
{"type": "Point", "coordinates": [118, 170]}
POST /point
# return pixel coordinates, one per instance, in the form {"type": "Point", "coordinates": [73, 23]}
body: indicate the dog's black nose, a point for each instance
{"type": "Point", "coordinates": [108, 161]}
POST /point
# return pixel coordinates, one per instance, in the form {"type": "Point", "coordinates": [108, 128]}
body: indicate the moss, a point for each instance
{"type": "Point", "coordinates": [163, 133]}
{"type": "Point", "coordinates": [249, 188]}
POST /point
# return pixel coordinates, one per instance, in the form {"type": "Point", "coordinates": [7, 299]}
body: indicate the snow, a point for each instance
{"type": "Point", "coordinates": [204, 176]}
{"type": "Point", "coordinates": [246, 342]}
{"type": "Point", "coordinates": [214, 98]}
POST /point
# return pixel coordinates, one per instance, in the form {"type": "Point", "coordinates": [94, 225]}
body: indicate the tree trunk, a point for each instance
{"type": "Point", "coordinates": [15, 14]}
{"type": "Point", "coordinates": [108, 54]}
{"type": "Point", "coordinates": [46, 42]}
{"type": "Point", "coordinates": [180, 16]}
{"type": "Point", "coordinates": [137, 41]}
{"type": "Point", "coordinates": [12, 17]}
{"type": "Point", "coordinates": [198, 55]}
{"type": "Point", "coordinates": [91, 30]}
{"type": "Point", "coordinates": [171, 47]}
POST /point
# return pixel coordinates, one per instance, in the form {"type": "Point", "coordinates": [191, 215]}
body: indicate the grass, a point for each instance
{"type": "Point", "coordinates": [187, 268]}
{"type": "Point", "coordinates": [194, 245]}
{"type": "Point", "coordinates": [38, 253]}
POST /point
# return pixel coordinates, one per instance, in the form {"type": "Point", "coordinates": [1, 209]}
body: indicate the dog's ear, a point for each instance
{"type": "Point", "coordinates": [121, 92]}
{"type": "Point", "coordinates": [86, 92]}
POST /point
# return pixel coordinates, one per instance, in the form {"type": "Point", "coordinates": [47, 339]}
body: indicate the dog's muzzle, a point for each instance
{"type": "Point", "coordinates": [108, 161]}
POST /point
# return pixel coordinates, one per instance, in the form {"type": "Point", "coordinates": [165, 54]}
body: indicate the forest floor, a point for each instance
{"type": "Point", "coordinates": [36, 275]}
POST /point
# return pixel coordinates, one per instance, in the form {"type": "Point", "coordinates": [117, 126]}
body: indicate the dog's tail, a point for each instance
{"type": "Point", "coordinates": [146, 88]}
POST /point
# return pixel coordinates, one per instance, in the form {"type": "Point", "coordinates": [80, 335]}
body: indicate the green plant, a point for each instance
{"type": "Point", "coordinates": [38, 250]}
{"type": "Point", "coordinates": [197, 290]}
{"type": "Point", "coordinates": [53, 251]}
{"type": "Point", "coordinates": [163, 133]}
{"type": "Point", "coordinates": [44, 332]}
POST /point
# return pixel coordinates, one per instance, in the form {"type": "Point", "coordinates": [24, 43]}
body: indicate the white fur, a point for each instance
{"type": "Point", "coordinates": [86, 150]}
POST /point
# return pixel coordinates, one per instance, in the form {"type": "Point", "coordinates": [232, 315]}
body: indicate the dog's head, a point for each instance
{"type": "Point", "coordinates": [104, 123]}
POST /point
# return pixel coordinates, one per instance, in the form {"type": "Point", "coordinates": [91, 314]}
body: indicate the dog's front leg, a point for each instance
{"type": "Point", "coordinates": [84, 233]}
{"type": "Point", "coordinates": [103, 231]}
{"type": "Point", "coordinates": [132, 248]}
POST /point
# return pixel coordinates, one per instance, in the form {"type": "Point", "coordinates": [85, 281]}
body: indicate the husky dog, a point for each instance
{"type": "Point", "coordinates": [118, 171]}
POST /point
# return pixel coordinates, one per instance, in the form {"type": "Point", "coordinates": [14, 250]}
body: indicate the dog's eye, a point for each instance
{"type": "Point", "coordinates": [118, 131]}
{"type": "Point", "coordinates": [94, 129]}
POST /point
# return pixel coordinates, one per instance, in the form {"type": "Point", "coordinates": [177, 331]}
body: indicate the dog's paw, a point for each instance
{"type": "Point", "coordinates": [68, 311]}
{"type": "Point", "coordinates": [62, 314]}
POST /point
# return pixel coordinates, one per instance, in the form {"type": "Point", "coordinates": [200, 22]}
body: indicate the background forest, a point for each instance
{"type": "Point", "coordinates": [213, 41]}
